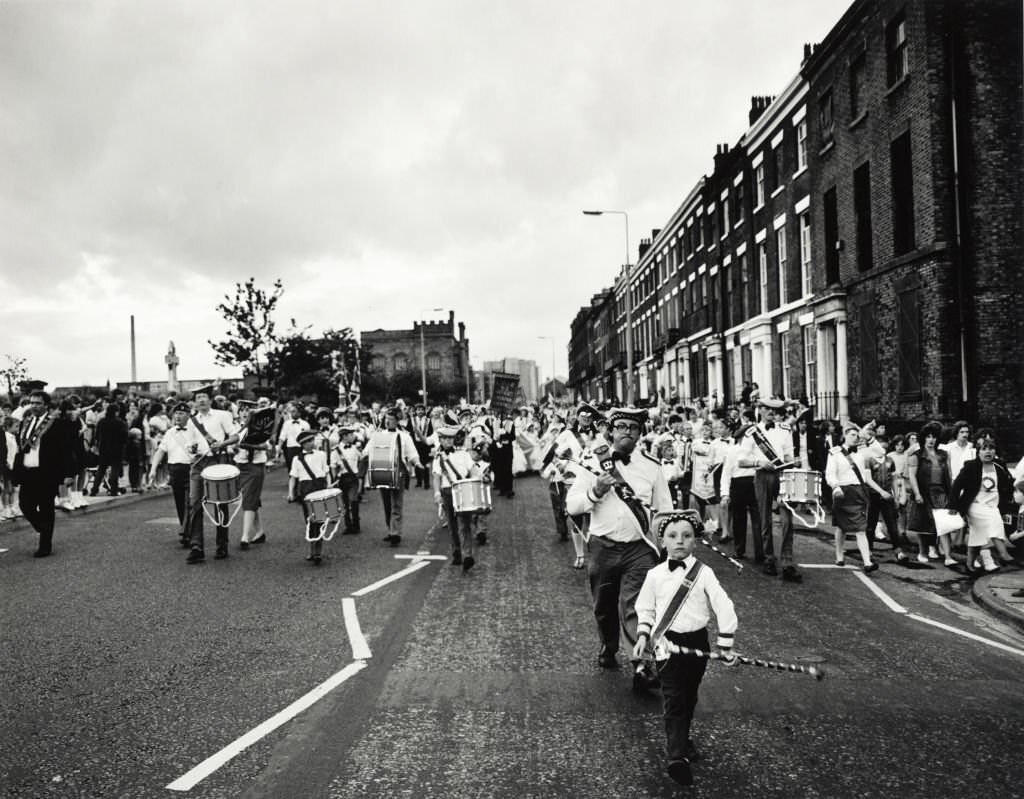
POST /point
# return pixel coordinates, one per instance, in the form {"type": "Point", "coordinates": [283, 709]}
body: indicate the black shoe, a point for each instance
{"type": "Point", "coordinates": [467, 563]}
{"type": "Point", "coordinates": [260, 539]}
{"type": "Point", "coordinates": [790, 575]}
{"type": "Point", "coordinates": [644, 679]}
{"type": "Point", "coordinates": [679, 770]}
{"type": "Point", "coordinates": [870, 567]}
{"type": "Point", "coordinates": [317, 559]}
{"type": "Point", "coordinates": [510, 494]}
{"type": "Point", "coordinates": [42, 553]}
{"type": "Point", "coordinates": [606, 659]}
{"type": "Point", "coordinates": [691, 752]}
{"type": "Point", "coordinates": [243, 544]}
{"type": "Point", "coordinates": [396, 540]}
{"type": "Point", "coordinates": [457, 557]}
{"type": "Point", "coordinates": [185, 542]}
{"type": "Point", "coordinates": [481, 539]}
{"type": "Point", "coordinates": [770, 568]}
{"type": "Point", "coordinates": [221, 553]}
{"type": "Point", "coordinates": [195, 556]}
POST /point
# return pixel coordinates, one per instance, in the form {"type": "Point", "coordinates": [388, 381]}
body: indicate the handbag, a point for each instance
{"type": "Point", "coordinates": [946, 522]}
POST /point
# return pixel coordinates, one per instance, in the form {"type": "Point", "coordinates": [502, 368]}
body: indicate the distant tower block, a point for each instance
{"type": "Point", "coordinates": [171, 359]}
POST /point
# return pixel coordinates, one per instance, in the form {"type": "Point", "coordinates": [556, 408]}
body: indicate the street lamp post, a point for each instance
{"type": "Point", "coordinates": [629, 307]}
{"type": "Point", "coordinates": [552, 340]}
{"type": "Point", "coordinates": [423, 351]}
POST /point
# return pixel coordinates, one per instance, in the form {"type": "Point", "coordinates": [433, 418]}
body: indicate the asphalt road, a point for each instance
{"type": "Point", "coordinates": [123, 668]}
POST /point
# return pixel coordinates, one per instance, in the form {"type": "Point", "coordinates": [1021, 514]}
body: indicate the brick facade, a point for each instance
{"type": "Point", "coordinates": [395, 351]}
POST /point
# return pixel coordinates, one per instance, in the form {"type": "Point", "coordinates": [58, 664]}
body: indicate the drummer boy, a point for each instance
{"type": "Point", "coordinates": [450, 465]}
{"type": "Point", "coordinates": [478, 452]}
{"type": "Point", "coordinates": [308, 473]}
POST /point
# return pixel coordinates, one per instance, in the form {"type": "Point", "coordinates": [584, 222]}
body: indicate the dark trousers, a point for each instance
{"type": "Point", "coordinates": [350, 499]}
{"type": "Point", "coordinates": [460, 525]}
{"type": "Point", "coordinates": [743, 501]}
{"type": "Point", "coordinates": [178, 478]}
{"type": "Point", "coordinates": [680, 491]}
{"type": "Point", "coordinates": [115, 466]}
{"type": "Point", "coordinates": [557, 492]}
{"type": "Point", "coordinates": [289, 456]}
{"type": "Point", "coordinates": [616, 574]}
{"type": "Point", "coordinates": [195, 508]}
{"type": "Point", "coordinates": [680, 680]}
{"type": "Point", "coordinates": [501, 463]}
{"type": "Point", "coordinates": [766, 489]}
{"type": "Point", "coordinates": [135, 474]}
{"type": "Point", "coordinates": [392, 499]}
{"type": "Point", "coordinates": [886, 508]}
{"type": "Point", "coordinates": [35, 498]}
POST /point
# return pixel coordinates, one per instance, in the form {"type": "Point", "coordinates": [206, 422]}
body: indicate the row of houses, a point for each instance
{"type": "Point", "coordinates": [860, 245]}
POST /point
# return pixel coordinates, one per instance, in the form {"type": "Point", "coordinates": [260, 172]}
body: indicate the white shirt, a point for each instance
{"type": "Point", "coordinates": [290, 428]}
{"type": "Point", "coordinates": [12, 448]}
{"type": "Point", "coordinates": [183, 445]}
{"type": "Point", "coordinates": [317, 462]}
{"type": "Point", "coordinates": [958, 456]}
{"type": "Point", "coordinates": [706, 597]}
{"type": "Point", "coordinates": [245, 455]}
{"type": "Point", "coordinates": [219, 424]}
{"type": "Point", "coordinates": [461, 466]}
{"type": "Point", "coordinates": [579, 444]}
{"type": "Point", "coordinates": [839, 471]}
{"type": "Point", "coordinates": [610, 517]}
{"type": "Point", "coordinates": [347, 458]}
{"type": "Point", "coordinates": [31, 457]}
{"type": "Point", "coordinates": [780, 437]}
{"type": "Point", "coordinates": [407, 446]}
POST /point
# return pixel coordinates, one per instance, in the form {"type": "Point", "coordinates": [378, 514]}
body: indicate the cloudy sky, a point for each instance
{"type": "Point", "coordinates": [380, 158]}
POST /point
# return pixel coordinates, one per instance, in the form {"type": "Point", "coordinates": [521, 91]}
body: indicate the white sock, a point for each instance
{"type": "Point", "coordinates": [862, 546]}
{"type": "Point", "coordinates": [578, 544]}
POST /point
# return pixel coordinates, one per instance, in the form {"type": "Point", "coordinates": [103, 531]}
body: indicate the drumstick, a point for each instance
{"type": "Point", "coordinates": [733, 561]}
{"type": "Point", "coordinates": [814, 671]}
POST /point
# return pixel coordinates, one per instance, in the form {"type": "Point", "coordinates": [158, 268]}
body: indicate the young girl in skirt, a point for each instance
{"type": "Point", "coordinates": [983, 493]}
{"type": "Point", "coordinates": [702, 596]}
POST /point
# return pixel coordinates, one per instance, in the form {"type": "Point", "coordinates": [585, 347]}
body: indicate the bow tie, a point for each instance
{"type": "Point", "coordinates": [675, 564]}
{"type": "Point", "coordinates": [618, 456]}
{"type": "Point", "coordinates": [769, 425]}
{"type": "Point", "coordinates": [182, 428]}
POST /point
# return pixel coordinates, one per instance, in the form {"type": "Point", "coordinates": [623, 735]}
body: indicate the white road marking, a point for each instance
{"type": "Point", "coordinates": [360, 649]}
{"type": "Point", "coordinates": [421, 557]}
{"type": "Point", "coordinates": [413, 567]}
{"type": "Point", "coordinates": [966, 634]}
{"type": "Point", "coordinates": [192, 778]}
{"type": "Point", "coordinates": [890, 603]}
{"type": "Point", "coordinates": [823, 566]}
{"type": "Point", "coordinates": [4, 550]}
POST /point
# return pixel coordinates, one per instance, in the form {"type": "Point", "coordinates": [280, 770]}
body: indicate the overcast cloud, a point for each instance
{"type": "Point", "coordinates": [379, 158]}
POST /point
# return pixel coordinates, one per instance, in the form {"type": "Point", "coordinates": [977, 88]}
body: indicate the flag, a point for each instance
{"type": "Point", "coordinates": [353, 387]}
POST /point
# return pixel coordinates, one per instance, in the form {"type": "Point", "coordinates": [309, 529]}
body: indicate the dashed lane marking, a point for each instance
{"type": "Point", "coordinates": [192, 778]}
{"type": "Point", "coordinates": [360, 649]}
{"type": "Point", "coordinates": [421, 557]}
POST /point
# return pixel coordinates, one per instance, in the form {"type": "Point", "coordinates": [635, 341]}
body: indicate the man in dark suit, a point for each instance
{"type": "Point", "coordinates": [111, 438]}
{"type": "Point", "coordinates": [422, 430]}
{"type": "Point", "coordinates": [42, 462]}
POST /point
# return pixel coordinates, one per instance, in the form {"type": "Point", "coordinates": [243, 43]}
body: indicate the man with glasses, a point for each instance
{"type": "Point", "coordinates": [620, 488]}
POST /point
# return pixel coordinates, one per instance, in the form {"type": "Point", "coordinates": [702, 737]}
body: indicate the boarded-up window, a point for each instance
{"type": "Point", "coordinates": [908, 332]}
{"type": "Point", "coordinates": [869, 378]}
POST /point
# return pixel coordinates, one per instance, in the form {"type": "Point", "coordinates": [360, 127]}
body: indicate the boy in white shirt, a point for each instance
{"type": "Point", "coordinates": [309, 473]}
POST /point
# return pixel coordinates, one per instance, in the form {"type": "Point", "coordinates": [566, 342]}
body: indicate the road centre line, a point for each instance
{"type": "Point", "coordinates": [891, 603]}
{"type": "Point", "coordinates": [196, 775]}
{"type": "Point", "coordinates": [965, 634]}
{"type": "Point", "coordinates": [360, 649]}
{"type": "Point", "coordinates": [413, 567]}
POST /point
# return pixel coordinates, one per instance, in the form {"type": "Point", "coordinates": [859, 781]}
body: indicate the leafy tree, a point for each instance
{"type": "Point", "coordinates": [250, 336]}
{"type": "Point", "coordinates": [14, 373]}
{"type": "Point", "coordinates": [304, 365]}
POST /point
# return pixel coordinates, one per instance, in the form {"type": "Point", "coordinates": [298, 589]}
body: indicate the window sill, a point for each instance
{"type": "Point", "coordinates": [777, 192]}
{"type": "Point", "coordinates": [799, 172]}
{"type": "Point", "coordinates": [860, 118]}
{"type": "Point", "coordinates": [827, 146]}
{"type": "Point", "coordinates": [759, 208]}
{"type": "Point", "coordinates": [895, 87]}
{"type": "Point", "coordinates": [712, 248]}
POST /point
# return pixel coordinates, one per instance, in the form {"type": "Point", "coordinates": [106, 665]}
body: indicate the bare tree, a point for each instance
{"type": "Point", "coordinates": [14, 374]}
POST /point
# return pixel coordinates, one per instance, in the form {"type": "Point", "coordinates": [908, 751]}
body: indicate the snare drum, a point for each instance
{"type": "Point", "coordinates": [221, 483]}
{"type": "Point", "coordinates": [383, 469]}
{"type": "Point", "coordinates": [324, 506]}
{"type": "Point", "coordinates": [799, 485]}
{"type": "Point", "coordinates": [471, 496]}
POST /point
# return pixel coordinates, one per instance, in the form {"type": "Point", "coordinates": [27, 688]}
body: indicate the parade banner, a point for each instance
{"type": "Point", "coordinates": [504, 391]}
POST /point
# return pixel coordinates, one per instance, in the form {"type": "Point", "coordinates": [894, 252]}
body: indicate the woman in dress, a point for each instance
{"type": "Point", "coordinates": [928, 470]}
{"type": "Point", "coordinates": [156, 426]}
{"type": "Point", "coordinates": [982, 493]}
